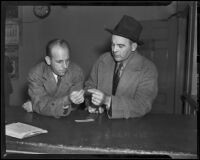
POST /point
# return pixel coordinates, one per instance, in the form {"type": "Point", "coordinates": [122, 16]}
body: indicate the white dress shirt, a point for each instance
{"type": "Point", "coordinates": [55, 76]}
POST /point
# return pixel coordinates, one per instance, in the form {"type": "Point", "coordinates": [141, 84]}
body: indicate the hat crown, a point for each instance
{"type": "Point", "coordinates": [128, 27]}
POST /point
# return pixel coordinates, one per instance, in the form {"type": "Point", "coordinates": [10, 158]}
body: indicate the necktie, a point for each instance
{"type": "Point", "coordinates": [59, 80]}
{"type": "Point", "coordinates": [116, 76]}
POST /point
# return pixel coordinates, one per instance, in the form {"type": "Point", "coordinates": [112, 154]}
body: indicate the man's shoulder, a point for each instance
{"type": "Point", "coordinates": [148, 63]}
{"type": "Point", "coordinates": [38, 68]}
{"type": "Point", "coordinates": [74, 67]}
{"type": "Point", "coordinates": [105, 57]}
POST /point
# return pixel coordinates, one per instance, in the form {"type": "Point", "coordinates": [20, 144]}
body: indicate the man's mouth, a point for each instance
{"type": "Point", "coordinates": [63, 72]}
{"type": "Point", "coordinates": [117, 57]}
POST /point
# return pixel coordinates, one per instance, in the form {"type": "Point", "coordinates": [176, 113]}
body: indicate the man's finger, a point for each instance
{"type": "Point", "coordinates": [66, 107]}
{"type": "Point", "coordinates": [77, 94]}
{"type": "Point", "coordinates": [91, 110]}
{"type": "Point", "coordinates": [94, 91]}
{"type": "Point", "coordinates": [97, 96]}
{"type": "Point", "coordinates": [96, 100]}
{"type": "Point", "coordinates": [79, 101]}
{"type": "Point", "coordinates": [73, 93]}
{"type": "Point", "coordinates": [78, 98]}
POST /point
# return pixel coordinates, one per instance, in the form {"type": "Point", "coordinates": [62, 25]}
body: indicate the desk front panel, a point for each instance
{"type": "Point", "coordinates": [151, 134]}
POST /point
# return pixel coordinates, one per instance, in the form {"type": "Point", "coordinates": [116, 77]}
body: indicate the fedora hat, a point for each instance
{"type": "Point", "coordinates": [128, 27]}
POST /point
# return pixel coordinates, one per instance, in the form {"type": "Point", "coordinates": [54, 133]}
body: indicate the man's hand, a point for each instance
{"type": "Point", "coordinates": [98, 97]}
{"type": "Point", "coordinates": [77, 97]}
{"type": "Point", "coordinates": [95, 110]}
{"type": "Point", "coordinates": [28, 106]}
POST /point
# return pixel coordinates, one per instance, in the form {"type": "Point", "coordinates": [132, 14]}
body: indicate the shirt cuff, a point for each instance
{"type": "Point", "coordinates": [66, 108]}
{"type": "Point", "coordinates": [108, 105]}
{"type": "Point", "coordinates": [108, 102]}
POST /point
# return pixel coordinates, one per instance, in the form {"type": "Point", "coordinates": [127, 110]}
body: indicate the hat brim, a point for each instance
{"type": "Point", "coordinates": [139, 42]}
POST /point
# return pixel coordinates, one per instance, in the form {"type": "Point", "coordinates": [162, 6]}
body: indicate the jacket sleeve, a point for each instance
{"type": "Point", "coordinates": [42, 102]}
{"type": "Point", "coordinates": [78, 80]}
{"type": "Point", "coordinates": [93, 77]}
{"type": "Point", "coordinates": [141, 103]}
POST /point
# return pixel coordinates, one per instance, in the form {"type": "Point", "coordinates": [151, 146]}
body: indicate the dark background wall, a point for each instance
{"type": "Point", "coordinates": [82, 26]}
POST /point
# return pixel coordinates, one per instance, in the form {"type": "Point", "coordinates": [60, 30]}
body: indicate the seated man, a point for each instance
{"type": "Point", "coordinates": [123, 81]}
{"type": "Point", "coordinates": [56, 84]}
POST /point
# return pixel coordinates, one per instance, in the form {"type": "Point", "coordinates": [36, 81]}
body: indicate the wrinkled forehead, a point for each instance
{"type": "Point", "coordinates": [119, 39]}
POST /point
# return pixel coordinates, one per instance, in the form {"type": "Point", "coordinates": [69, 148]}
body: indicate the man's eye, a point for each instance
{"type": "Point", "coordinates": [59, 62]}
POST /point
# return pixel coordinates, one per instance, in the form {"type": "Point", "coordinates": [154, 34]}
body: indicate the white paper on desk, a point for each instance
{"type": "Point", "coordinates": [84, 120]}
{"type": "Point", "coordinates": [21, 130]}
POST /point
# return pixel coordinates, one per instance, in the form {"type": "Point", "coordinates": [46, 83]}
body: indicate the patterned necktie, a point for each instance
{"type": "Point", "coordinates": [59, 80]}
{"type": "Point", "coordinates": [116, 76]}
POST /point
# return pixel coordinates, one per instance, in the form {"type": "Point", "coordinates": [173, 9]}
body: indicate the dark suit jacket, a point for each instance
{"type": "Point", "coordinates": [137, 87]}
{"type": "Point", "coordinates": [47, 98]}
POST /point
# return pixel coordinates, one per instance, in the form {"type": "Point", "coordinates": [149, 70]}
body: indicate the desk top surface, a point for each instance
{"type": "Point", "coordinates": [151, 133]}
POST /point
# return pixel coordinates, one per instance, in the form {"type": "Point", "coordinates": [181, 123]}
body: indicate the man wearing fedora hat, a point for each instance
{"type": "Point", "coordinates": [123, 82]}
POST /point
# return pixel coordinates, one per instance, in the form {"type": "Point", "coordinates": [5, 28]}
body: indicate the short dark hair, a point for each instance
{"type": "Point", "coordinates": [56, 42]}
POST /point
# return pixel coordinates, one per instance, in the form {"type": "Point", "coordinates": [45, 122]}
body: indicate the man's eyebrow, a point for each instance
{"type": "Point", "coordinates": [60, 60]}
{"type": "Point", "coordinates": [118, 44]}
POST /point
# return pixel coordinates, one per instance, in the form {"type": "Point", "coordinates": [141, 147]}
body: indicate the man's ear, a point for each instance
{"type": "Point", "coordinates": [134, 46]}
{"type": "Point", "coordinates": [48, 60]}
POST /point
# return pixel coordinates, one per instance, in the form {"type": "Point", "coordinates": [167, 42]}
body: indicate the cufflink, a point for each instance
{"type": "Point", "coordinates": [65, 109]}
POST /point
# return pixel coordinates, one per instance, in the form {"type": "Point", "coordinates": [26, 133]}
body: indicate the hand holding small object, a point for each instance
{"type": "Point", "coordinates": [77, 96]}
{"type": "Point", "coordinates": [98, 97]}
{"type": "Point", "coordinates": [95, 110]}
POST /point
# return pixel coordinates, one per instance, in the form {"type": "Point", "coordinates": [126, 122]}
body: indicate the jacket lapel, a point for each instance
{"type": "Point", "coordinates": [106, 75]}
{"type": "Point", "coordinates": [49, 80]}
{"type": "Point", "coordinates": [134, 65]}
{"type": "Point", "coordinates": [64, 84]}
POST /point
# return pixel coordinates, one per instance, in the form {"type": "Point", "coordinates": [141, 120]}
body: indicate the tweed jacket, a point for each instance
{"type": "Point", "coordinates": [47, 98]}
{"type": "Point", "coordinates": [136, 89]}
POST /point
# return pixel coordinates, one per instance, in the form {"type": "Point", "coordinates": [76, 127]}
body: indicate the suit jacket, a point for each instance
{"type": "Point", "coordinates": [46, 97]}
{"type": "Point", "coordinates": [136, 89]}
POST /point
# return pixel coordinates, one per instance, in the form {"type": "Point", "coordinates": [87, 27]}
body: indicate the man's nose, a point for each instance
{"type": "Point", "coordinates": [115, 49]}
{"type": "Point", "coordinates": [64, 65]}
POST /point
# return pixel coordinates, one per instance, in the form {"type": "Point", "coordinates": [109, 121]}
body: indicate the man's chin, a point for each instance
{"type": "Point", "coordinates": [61, 73]}
{"type": "Point", "coordinates": [118, 59]}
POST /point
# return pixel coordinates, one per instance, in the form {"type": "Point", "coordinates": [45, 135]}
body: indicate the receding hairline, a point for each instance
{"type": "Point", "coordinates": [57, 42]}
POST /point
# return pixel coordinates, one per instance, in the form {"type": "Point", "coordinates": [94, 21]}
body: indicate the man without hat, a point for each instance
{"type": "Point", "coordinates": [123, 82]}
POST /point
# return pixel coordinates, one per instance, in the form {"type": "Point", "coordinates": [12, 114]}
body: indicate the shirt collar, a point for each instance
{"type": "Point", "coordinates": [55, 76]}
{"type": "Point", "coordinates": [124, 62]}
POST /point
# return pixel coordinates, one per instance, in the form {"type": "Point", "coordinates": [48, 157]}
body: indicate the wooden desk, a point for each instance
{"type": "Point", "coordinates": [160, 134]}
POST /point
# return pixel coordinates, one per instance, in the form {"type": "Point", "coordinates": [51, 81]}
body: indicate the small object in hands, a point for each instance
{"type": "Point", "coordinates": [88, 100]}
